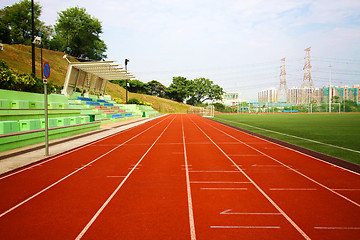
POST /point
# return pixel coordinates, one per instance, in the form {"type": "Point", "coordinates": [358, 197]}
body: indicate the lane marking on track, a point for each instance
{"type": "Point", "coordinates": [337, 228]}
{"type": "Point", "coordinates": [236, 213]}
{"type": "Point", "coordinates": [81, 234]}
{"type": "Point", "coordinates": [188, 188]}
{"type": "Point", "coordinates": [74, 150]}
{"type": "Point", "coordinates": [243, 189]}
{"type": "Point", "coordinates": [256, 165]}
{"type": "Point", "coordinates": [292, 189]}
{"type": "Point", "coordinates": [290, 168]}
{"type": "Point", "coordinates": [346, 189]}
{"type": "Point", "coordinates": [245, 155]}
{"type": "Point", "coordinates": [212, 171]}
{"type": "Point", "coordinates": [70, 174]}
{"type": "Point", "coordinates": [333, 165]}
{"type": "Point", "coordinates": [259, 189]}
{"type": "Point", "coordinates": [216, 182]}
{"type": "Point", "coordinates": [245, 227]}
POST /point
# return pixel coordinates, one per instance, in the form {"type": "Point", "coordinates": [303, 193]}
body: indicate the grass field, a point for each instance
{"type": "Point", "coordinates": [335, 134]}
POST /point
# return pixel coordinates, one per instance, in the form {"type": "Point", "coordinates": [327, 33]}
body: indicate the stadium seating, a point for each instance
{"type": "Point", "coordinates": [22, 119]}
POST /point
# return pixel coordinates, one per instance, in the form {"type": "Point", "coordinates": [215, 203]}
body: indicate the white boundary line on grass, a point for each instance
{"type": "Point", "coordinates": [93, 219]}
{"type": "Point", "coordinates": [258, 188]}
{"type": "Point", "coordinates": [288, 135]}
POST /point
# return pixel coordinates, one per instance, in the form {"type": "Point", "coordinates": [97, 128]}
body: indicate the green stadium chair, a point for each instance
{"type": "Point", "coordinates": [9, 127]}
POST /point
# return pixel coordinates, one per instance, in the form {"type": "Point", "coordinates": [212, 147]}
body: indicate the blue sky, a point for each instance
{"type": "Point", "coordinates": [238, 44]}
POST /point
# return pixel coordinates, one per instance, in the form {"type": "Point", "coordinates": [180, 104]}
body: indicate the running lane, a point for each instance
{"type": "Point", "coordinates": [62, 209]}
{"type": "Point", "coordinates": [227, 204]}
{"type": "Point", "coordinates": [152, 204]}
{"type": "Point", "coordinates": [180, 177]}
{"type": "Point", "coordinates": [27, 181]}
{"type": "Point", "coordinates": [322, 199]}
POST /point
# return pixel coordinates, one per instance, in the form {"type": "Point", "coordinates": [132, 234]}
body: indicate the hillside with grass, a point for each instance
{"type": "Point", "coordinates": [18, 57]}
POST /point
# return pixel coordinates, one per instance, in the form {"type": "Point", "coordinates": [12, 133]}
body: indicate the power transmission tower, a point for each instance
{"type": "Point", "coordinates": [283, 89]}
{"type": "Point", "coordinates": [307, 84]}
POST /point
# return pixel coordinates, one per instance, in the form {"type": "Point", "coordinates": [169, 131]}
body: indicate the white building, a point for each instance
{"type": "Point", "coordinates": [267, 96]}
{"type": "Point", "coordinates": [231, 99]}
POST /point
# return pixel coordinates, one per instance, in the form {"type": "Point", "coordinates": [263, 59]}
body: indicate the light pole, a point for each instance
{"type": "Point", "coordinates": [126, 62]}
{"type": "Point", "coordinates": [330, 89]}
{"type": "Point", "coordinates": [32, 38]}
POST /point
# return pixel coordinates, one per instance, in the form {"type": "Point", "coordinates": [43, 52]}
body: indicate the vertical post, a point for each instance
{"type": "Point", "coordinates": [126, 62]}
{"type": "Point", "coordinates": [330, 90]}
{"type": "Point", "coordinates": [46, 107]}
{"type": "Point", "coordinates": [46, 121]}
{"type": "Point", "coordinates": [32, 37]}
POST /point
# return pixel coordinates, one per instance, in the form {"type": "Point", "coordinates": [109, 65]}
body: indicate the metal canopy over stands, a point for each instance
{"type": "Point", "coordinates": [92, 76]}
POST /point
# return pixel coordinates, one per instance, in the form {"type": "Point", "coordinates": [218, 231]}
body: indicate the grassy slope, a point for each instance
{"type": "Point", "coordinates": [18, 58]}
{"type": "Point", "coordinates": [336, 129]}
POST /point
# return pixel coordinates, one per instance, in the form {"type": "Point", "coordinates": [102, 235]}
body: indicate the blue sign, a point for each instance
{"type": "Point", "coordinates": [46, 69]}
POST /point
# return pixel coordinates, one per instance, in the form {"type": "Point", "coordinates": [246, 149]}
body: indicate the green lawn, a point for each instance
{"type": "Point", "coordinates": [339, 129]}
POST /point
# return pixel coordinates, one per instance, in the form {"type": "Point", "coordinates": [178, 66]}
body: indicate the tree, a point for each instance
{"type": "Point", "coordinates": [178, 89]}
{"type": "Point", "coordinates": [202, 89]}
{"type": "Point", "coordinates": [15, 23]}
{"type": "Point", "coordinates": [137, 86]}
{"type": "Point", "coordinates": [21, 82]}
{"type": "Point", "coordinates": [155, 88]}
{"type": "Point", "coordinates": [80, 32]}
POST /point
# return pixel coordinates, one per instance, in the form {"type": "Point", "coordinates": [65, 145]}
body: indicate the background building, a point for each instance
{"type": "Point", "coordinates": [231, 99]}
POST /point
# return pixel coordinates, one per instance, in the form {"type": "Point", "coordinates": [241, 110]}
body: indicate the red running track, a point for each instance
{"type": "Point", "coordinates": [180, 177]}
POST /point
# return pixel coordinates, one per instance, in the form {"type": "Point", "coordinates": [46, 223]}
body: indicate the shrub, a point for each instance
{"type": "Point", "coordinates": [133, 101]}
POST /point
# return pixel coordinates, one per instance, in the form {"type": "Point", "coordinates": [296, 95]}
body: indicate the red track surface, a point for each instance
{"type": "Point", "coordinates": [181, 177]}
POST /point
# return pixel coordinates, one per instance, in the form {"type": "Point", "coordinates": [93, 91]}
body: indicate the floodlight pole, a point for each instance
{"type": "Point", "coordinates": [126, 80]}
{"type": "Point", "coordinates": [330, 89]}
{"type": "Point", "coordinates": [32, 37]}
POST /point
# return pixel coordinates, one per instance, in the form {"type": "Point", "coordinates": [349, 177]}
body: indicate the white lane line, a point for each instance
{"type": "Point", "coordinates": [216, 182]}
{"type": "Point", "coordinates": [212, 171]}
{"type": "Point", "coordinates": [81, 234]}
{"type": "Point", "coordinates": [261, 191]}
{"type": "Point", "coordinates": [331, 164]}
{"type": "Point", "coordinates": [346, 189]}
{"type": "Point", "coordinates": [292, 189]}
{"type": "Point", "coordinates": [245, 155]}
{"type": "Point", "coordinates": [223, 188]}
{"type": "Point", "coordinates": [307, 177]}
{"type": "Point", "coordinates": [256, 165]}
{"type": "Point", "coordinates": [244, 213]}
{"type": "Point", "coordinates": [71, 151]}
{"type": "Point", "coordinates": [337, 228]}
{"type": "Point", "coordinates": [188, 188]}
{"type": "Point", "coordinates": [70, 174]}
{"type": "Point", "coordinates": [245, 227]}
